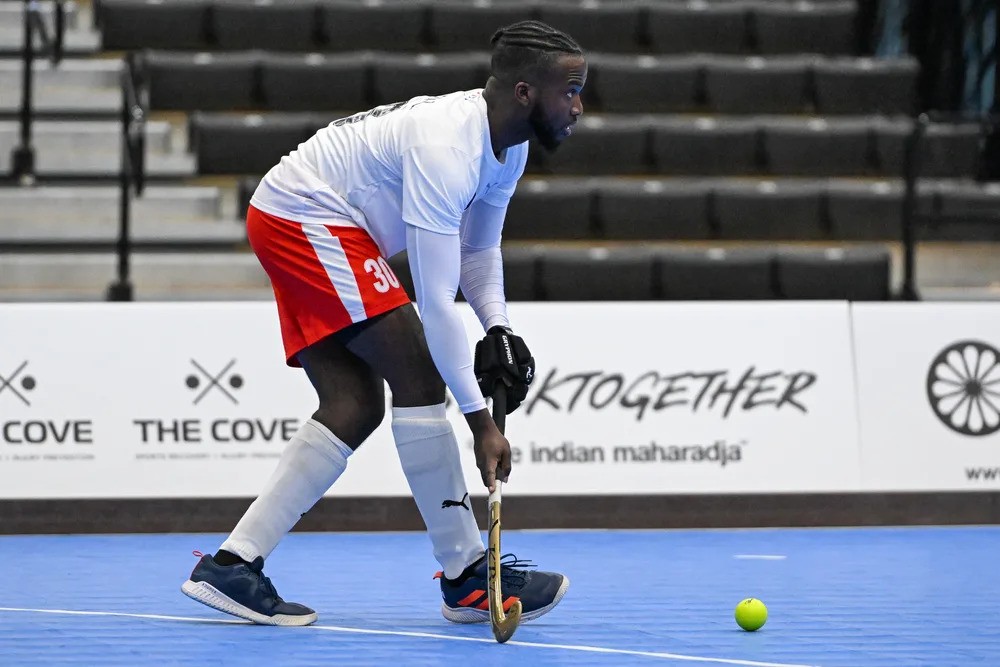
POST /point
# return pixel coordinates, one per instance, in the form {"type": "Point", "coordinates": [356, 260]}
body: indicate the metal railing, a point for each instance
{"type": "Point", "coordinates": [132, 173]}
{"type": "Point", "coordinates": [913, 216]}
{"type": "Point", "coordinates": [23, 155]}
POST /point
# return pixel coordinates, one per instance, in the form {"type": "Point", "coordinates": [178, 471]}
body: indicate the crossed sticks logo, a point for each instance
{"type": "Point", "coordinates": [206, 381]}
{"type": "Point", "coordinates": [19, 386]}
{"type": "Point", "coordinates": [963, 387]}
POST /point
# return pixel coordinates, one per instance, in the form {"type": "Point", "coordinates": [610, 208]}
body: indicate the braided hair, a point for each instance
{"type": "Point", "coordinates": [524, 49]}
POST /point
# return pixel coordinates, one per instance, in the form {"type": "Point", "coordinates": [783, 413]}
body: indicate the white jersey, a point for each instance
{"type": "Point", "coordinates": [422, 162]}
{"type": "Point", "coordinates": [418, 175]}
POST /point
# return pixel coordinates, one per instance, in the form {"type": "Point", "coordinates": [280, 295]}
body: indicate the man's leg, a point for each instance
{"type": "Point", "coordinates": [351, 406]}
{"type": "Point", "coordinates": [393, 345]}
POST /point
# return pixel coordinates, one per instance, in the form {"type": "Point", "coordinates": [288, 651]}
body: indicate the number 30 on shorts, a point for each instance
{"type": "Point", "coordinates": [384, 277]}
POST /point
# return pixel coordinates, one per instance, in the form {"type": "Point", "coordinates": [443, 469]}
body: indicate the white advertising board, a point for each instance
{"type": "Point", "coordinates": [194, 400]}
{"type": "Point", "coordinates": [146, 400]}
{"type": "Point", "coordinates": [928, 379]}
{"type": "Point", "coordinates": [686, 398]}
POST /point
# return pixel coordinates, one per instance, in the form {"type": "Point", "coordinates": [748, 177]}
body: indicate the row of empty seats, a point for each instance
{"type": "Point", "coordinates": [635, 145]}
{"type": "Point", "coordinates": [764, 27]}
{"type": "Point", "coordinates": [621, 84]}
{"type": "Point", "coordinates": [541, 273]}
{"type": "Point", "coordinates": [691, 209]}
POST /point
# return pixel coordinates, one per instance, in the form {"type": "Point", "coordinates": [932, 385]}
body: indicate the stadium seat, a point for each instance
{"type": "Point", "coordinates": [128, 25]}
{"type": "Point", "coordinates": [600, 145]}
{"type": "Point", "coordinates": [597, 274]}
{"type": "Point", "coordinates": [600, 27]}
{"type": "Point", "coordinates": [633, 84]}
{"type": "Point", "coordinates": [399, 77]}
{"type": "Point", "coordinates": [865, 211]}
{"type": "Point", "coordinates": [550, 209]}
{"type": "Point", "coordinates": [313, 82]}
{"type": "Point", "coordinates": [245, 188]}
{"type": "Point", "coordinates": [379, 25]}
{"type": "Point", "coordinates": [947, 150]}
{"type": "Point", "coordinates": [818, 147]}
{"type": "Point", "coordinates": [697, 27]}
{"type": "Point", "coordinates": [854, 274]}
{"type": "Point", "coordinates": [787, 210]}
{"type": "Point", "coordinates": [287, 25]}
{"type": "Point", "coordinates": [630, 209]}
{"type": "Point", "coordinates": [963, 202]}
{"type": "Point", "coordinates": [202, 81]}
{"type": "Point", "coordinates": [468, 26]}
{"type": "Point", "coordinates": [250, 144]}
{"type": "Point", "coordinates": [865, 86]}
{"type": "Point", "coordinates": [705, 146]}
{"type": "Point", "coordinates": [757, 85]}
{"type": "Point", "coordinates": [803, 27]}
{"type": "Point", "coordinates": [520, 272]}
{"type": "Point", "coordinates": [716, 273]}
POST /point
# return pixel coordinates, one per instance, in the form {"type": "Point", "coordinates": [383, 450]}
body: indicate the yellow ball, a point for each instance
{"type": "Point", "coordinates": [751, 614]}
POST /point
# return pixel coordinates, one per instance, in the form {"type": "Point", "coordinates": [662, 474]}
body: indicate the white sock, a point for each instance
{"type": "Point", "coordinates": [312, 461]}
{"type": "Point", "coordinates": [428, 452]}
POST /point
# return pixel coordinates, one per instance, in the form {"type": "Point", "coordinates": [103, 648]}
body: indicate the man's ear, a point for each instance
{"type": "Point", "coordinates": [524, 93]}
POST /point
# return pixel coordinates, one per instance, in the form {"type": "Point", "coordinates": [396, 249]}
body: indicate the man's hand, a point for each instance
{"type": "Point", "coordinates": [491, 448]}
{"type": "Point", "coordinates": [503, 359]}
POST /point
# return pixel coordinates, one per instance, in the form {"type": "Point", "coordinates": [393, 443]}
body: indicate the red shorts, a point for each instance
{"type": "Point", "coordinates": [324, 277]}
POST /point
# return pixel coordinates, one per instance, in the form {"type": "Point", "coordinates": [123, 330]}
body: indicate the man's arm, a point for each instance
{"type": "Point", "coordinates": [501, 357]}
{"type": "Point", "coordinates": [434, 264]}
{"type": "Point", "coordinates": [438, 183]}
{"type": "Point", "coordinates": [482, 264]}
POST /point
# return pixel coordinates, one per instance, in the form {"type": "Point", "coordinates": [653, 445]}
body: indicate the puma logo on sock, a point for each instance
{"type": "Point", "coordinates": [456, 503]}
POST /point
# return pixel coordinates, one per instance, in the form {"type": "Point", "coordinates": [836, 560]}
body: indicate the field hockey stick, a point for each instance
{"type": "Point", "coordinates": [504, 623]}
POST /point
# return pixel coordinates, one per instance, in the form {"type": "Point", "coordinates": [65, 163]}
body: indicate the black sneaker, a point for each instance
{"type": "Point", "coordinates": [243, 590]}
{"type": "Point", "coordinates": [466, 599]}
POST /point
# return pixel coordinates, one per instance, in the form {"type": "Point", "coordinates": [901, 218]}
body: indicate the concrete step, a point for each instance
{"type": "Point", "coordinates": [81, 72]}
{"type": "Point", "coordinates": [988, 293]}
{"type": "Point", "coordinates": [98, 205]}
{"type": "Point", "coordinates": [12, 14]}
{"type": "Point", "coordinates": [94, 136]}
{"type": "Point", "coordinates": [154, 270]}
{"type": "Point", "coordinates": [167, 275]}
{"type": "Point", "coordinates": [84, 164]}
{"type": "Point", "coordinates": [80, 37]}
{"type": "Point", "coordinates": [93, 147]}
{"type": "Point", "coordinates": [198, 234]}
{"type": "Point", "coordinates": [65, 100]}
{"type": "Point", "coordinates": [139, 293]}
{"type": "Point", "coordinates": [75, 84]}
{"type": "Point", "coordinates": [76, 41]}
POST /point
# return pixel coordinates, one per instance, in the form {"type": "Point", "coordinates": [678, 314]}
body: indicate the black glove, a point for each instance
{"type": "Point", "coordinates": [503, 358]}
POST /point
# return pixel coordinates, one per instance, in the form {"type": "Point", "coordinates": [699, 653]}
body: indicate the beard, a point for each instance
{"type": "Point", "coordinates": [547, 137]}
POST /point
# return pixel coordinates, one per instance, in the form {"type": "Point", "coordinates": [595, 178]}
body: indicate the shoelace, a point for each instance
{"type": "Point", "coordinates": [266, 585]}
{"type": "Point", "coordinates": [265, 582]}
{"type": "Point", "coordinates": [512, 572]}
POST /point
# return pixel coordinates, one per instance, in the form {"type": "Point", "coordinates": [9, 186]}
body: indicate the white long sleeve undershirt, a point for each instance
{"type": "Point", "coordinates": [482, 264]}
{"type": "Point", "coordinates": [435, 266]}
{"type": "Point", "coordinates": [439, 263]}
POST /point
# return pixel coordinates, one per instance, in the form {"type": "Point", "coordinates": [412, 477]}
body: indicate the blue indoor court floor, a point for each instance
{"type": "Point", "coordinates": [837, 598]}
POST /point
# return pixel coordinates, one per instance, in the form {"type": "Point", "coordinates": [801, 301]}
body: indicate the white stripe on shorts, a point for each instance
{"type": "Point", "coordinates": [334, 260]}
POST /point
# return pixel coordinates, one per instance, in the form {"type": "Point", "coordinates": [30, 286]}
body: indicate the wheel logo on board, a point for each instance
{"type": "Point", "coordinates": [963, 387]}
